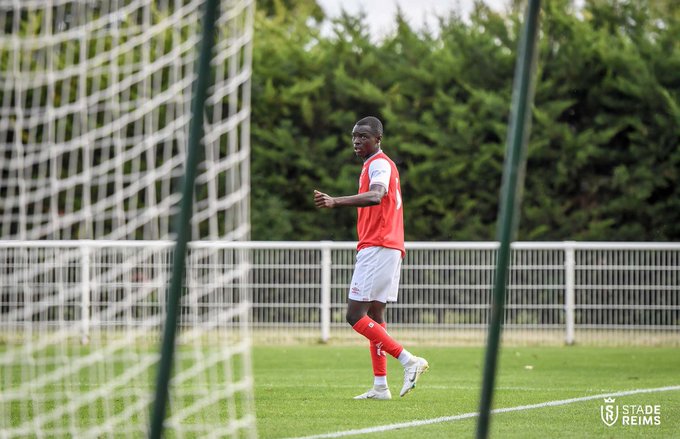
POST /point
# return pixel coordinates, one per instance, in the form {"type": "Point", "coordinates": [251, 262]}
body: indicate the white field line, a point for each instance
{"type": "Point", "coordinates": [383, 428]}
{"type": "Point", "coordinates": [444, 387]}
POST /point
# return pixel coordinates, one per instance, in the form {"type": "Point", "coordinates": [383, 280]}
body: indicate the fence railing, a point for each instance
{"type": "Point", "coordinates": [558, 292]}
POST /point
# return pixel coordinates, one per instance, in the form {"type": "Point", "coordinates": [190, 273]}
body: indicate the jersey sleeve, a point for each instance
{"type": "Point", "coordinates": [379, 172]}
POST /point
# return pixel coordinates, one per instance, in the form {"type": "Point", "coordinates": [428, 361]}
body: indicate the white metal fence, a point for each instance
{"type": "Point", "coordinates": [559, 292]}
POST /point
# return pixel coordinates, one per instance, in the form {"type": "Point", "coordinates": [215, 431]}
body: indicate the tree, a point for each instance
{"type": "Point", "coordinates": [603, 156]}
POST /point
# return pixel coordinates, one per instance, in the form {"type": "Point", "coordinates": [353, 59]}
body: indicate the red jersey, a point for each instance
{"type": "Point", "coordinates": [381, 225]}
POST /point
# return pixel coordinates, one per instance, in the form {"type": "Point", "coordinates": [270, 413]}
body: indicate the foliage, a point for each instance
{"type": "Point", "coordinates": [603, 157]}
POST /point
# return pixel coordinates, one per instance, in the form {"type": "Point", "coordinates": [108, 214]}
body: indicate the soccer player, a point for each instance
{"type": "Point", "coordinates": [375, 281]}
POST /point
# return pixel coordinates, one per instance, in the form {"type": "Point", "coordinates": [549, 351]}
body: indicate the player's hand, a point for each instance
{"type": "Point", "coordinates": [323, 200]}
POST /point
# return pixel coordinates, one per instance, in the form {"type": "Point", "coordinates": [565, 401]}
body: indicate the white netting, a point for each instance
{"type": "Point", "coordinates": [79, 337]}
{"type": "Point", "coordinates": [95, 100]}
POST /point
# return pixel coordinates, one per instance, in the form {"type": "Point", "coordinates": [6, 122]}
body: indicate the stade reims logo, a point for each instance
{"type": "Point", "coordinates": [609, 412]}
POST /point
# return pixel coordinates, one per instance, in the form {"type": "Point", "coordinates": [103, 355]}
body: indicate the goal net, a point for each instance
{"type": "Point", "coordinates": [95, 99]}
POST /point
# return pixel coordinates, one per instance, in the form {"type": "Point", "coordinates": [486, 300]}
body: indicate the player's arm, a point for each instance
{"type": "Point", "coordinates": [374, 195]}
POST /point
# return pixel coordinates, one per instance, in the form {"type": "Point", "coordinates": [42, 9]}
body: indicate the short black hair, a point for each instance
{"type": "Point", "coordinates": [374, 123]}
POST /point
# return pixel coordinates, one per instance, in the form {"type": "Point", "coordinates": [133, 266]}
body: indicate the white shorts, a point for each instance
{"type": "Point", "coordinates": [376, 275]}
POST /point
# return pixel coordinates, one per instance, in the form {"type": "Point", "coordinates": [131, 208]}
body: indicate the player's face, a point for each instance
{"type": "Point", "coordinates": [365, 142]}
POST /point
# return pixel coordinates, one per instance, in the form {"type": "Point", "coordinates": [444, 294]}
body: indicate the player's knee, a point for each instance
{"type": "Point", "coordinates": [352, 317]}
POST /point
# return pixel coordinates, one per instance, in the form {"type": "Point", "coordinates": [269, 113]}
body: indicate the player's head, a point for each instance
{"type": "Point", "coordinates": [366, 136]}
{"type": "Point", "coordinates": [374, 123]}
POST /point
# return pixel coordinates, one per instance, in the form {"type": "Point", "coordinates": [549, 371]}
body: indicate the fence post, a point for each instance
{"type": "Point", "coordinates": [85, 292]}
{"type": "Point", "coordinates": [569, 280]}
{"type": "Point", "coordinates": [325, 291]}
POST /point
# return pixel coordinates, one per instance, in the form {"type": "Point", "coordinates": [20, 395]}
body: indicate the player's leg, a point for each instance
{"type": "Point", "coordinates": [414, 366]}
{"type": "Point", "coordinates": [378, 357]}
{"type": "Point", "coordinates": [360, 307]}
{"type": "Point", "coordinates": [376, 311]}
{"type": "Point", "coordinates": [371, 312]}
{"type": "Point", "coordinates": [357, 317]}
{"type": "Point", "coordinates": [376, 279]}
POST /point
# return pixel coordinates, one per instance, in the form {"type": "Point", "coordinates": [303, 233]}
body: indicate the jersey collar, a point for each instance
{"type": "Point", "coordinates": [373, 155]}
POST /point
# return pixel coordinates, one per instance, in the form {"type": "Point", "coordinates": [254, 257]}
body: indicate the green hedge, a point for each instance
{"type": "Point", "coordinates": [604, 154]}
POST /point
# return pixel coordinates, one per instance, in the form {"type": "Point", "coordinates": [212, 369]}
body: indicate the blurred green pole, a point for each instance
{"type": "Point", "coordinates": [183, 220]}
{"type": "Point", "coordinates": [511, 194]}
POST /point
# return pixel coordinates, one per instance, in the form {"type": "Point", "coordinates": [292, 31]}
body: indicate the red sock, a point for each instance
{"type": "Point", "coordinates": [370, 329]}
{"type": "Point", "coordinates": [378, 357]}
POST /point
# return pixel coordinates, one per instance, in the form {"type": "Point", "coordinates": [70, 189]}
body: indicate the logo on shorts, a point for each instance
{"type": "Point", "coordinates": [370, 325]}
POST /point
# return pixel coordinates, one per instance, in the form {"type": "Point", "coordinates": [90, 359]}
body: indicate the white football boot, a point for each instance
{"type": "Point", "coordinates": [379, 392]}
{"type": "Point", "coordinates": [412, 372]}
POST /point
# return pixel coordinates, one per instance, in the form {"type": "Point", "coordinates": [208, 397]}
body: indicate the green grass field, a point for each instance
{"type": "Point", "coordinates": [307, 391]}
